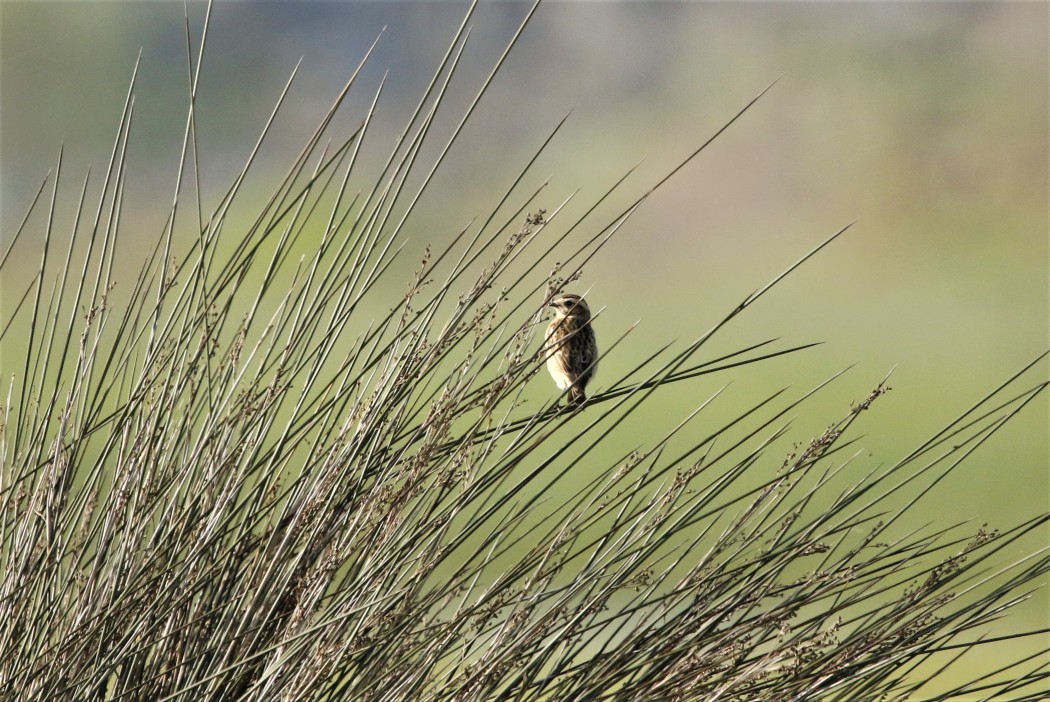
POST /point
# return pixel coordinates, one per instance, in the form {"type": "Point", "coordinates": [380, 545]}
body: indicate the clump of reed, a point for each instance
{"type": "Point", "coordinates": [238, 484]}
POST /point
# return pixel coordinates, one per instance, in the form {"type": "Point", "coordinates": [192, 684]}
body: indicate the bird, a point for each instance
{"type": "Point", "coordinates": [571, 349]}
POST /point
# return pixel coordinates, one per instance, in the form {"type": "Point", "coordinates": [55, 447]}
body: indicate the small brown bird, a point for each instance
{"type": "Point", "coordinates": [572, 352]}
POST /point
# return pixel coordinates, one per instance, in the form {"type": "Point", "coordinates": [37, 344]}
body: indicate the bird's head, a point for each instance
{"type": "Point", "coordinates": [567, 304]}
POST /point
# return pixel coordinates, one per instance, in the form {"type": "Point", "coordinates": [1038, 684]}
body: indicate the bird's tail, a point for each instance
{"type": "Point", "coordinates": [576, 396]}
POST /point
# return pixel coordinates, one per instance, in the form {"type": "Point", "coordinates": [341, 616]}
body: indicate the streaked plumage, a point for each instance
{"type": "Point", "coordinates": [572, 353]}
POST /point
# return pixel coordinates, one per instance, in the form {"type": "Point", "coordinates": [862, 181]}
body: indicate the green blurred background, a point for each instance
{"type": "Point", "coordinates": [925, 121]}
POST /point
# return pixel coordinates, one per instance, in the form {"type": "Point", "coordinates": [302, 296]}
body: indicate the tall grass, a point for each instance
{"type": "Point", "coordinates": [225, 479]}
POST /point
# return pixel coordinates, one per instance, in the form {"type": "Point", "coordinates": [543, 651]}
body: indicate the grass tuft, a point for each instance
{"type": "Point", "coordinates": [229, 478]}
